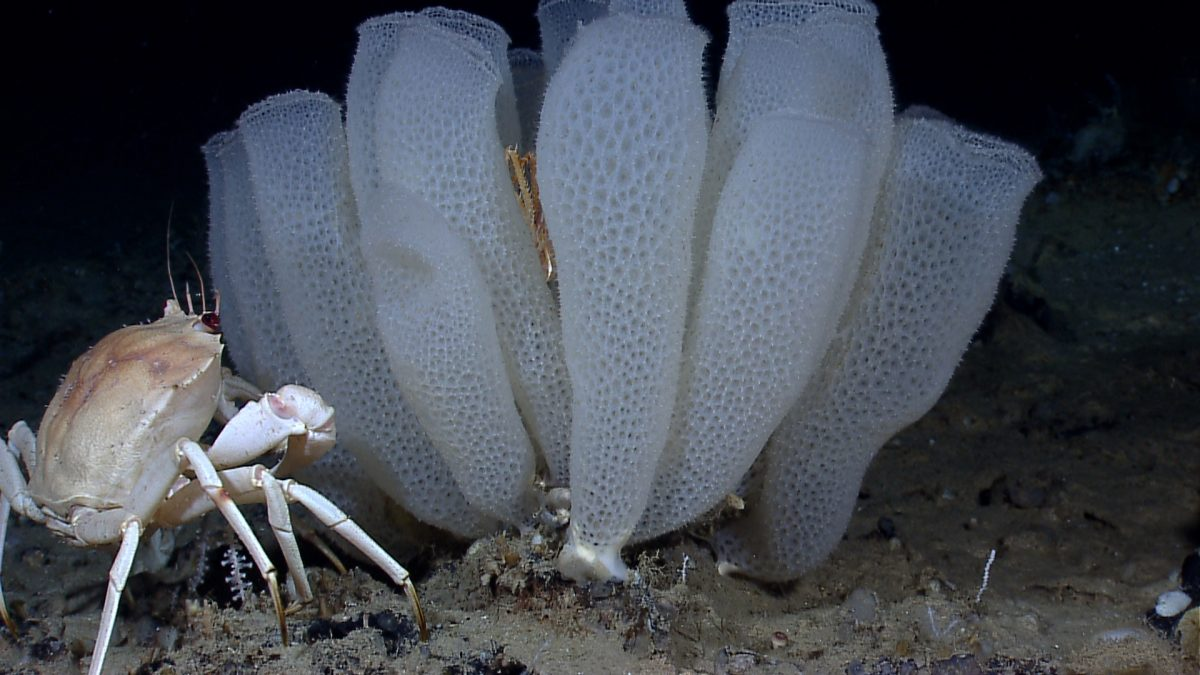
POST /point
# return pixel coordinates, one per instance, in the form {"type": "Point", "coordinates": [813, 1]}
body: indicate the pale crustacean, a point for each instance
{"type": "Point", "coordinates": [117, 456]}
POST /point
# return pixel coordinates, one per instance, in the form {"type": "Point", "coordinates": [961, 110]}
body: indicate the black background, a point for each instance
{"type": "Point", "coordinates": [105, 107]}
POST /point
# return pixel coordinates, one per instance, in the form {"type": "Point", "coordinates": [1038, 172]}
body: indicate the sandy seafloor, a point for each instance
{"type": "Point", "coordinates": [1068, 442]}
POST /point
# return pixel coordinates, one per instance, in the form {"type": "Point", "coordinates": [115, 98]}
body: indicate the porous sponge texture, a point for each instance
{"type": "Point", "coordinates": [296, 152]}
{"type": "Point", "coordinates": [785, 228]}
{"type": "Point", "coordinates": [943, 231]}
{"type": "Point", "coordinates": [256, 335]}
{"type": "Point", "coordinates": [621, 147]}
{"type": "Point", "coordinates": [422, 118]}
{"type": "Point", "coordinates": [747, 17]}
{"type": "Point", "coordinates": [435, 318]}
{"type": "Point", "coordinates": [490, 37]}
{"type": "Point", "coordinates": [820, 58]}
{"type": "Point", "coordinates": [558, 20]}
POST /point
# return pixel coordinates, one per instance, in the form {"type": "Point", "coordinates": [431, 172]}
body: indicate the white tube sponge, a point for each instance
{"type": "Point", "coordinates": [377, 43]}
{"type": "Point", "coordinates": [421, 117]}
{"type": "Point", "coordinates": [491, 38]}
{"type": "Point", "coordinates": [620, 151]}
{"type": "Point", "coordinates": [558, 21]}
{"type": "Point", "coordinates": [261, 342]}
{"type": "Point", "coordinates": [944, 228]}
{"type": "Point", "coordinates": [786, 232]}
{"type": "Point", "coordinates": [296, 150]}
{"type": "Point", "coordinates": [262, 350]}
{"type": "Point", "coordinates": [435, 317]}
{"type": "Point", "coordinates": [813, 56]}
{"type": "Point", "coordinates": [746, 16]}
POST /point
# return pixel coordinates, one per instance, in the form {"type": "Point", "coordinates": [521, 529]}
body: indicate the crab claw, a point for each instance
{"type": "Point", "coordinates": [305, 405]}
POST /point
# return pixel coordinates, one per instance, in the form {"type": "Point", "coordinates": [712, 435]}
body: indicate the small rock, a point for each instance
{"type": "Point", "coordinates": [962, 664]}
{"type": "Point", "coordinates": [886, 527]}
{"type": "Point", "coordinates": [735, 661]}
{"type": "Point", "coordinates": [861, 605]}
{"type": "Point", "coordinates": [44, 650]}
{"type": "Point", "coordinates": [1172, 603]}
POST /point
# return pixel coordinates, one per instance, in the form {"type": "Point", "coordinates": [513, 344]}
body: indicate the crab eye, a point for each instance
{"type": "Point", "coordinates": [211, 322]}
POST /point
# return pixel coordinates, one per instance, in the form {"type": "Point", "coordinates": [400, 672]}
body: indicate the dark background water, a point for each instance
{"type": "Point", "coordinates": [106, 106]}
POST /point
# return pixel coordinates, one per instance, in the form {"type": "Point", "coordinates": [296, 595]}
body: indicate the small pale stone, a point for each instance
{"type": "Point", "coordinates": [1172, 603]}
{"type": "Point", "coordinates": [861, 605]}
{"type": "Point", "coordinates": [558, 498]}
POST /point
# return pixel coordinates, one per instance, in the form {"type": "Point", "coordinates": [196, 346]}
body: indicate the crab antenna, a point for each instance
{"type": "Point", "coordinates": [170, 277]}
{"type": "Point", "coordinates": [188, 293]}
{"type": "Point", "coordinates": [200, 280]}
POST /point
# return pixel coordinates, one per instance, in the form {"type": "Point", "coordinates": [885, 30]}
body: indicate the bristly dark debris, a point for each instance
{"type": "Point", "coordinates": [399, 633]}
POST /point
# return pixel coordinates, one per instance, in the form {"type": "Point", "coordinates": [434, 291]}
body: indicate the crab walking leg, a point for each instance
{"type": "Point", "coordinates": [250, 484]}
{"type": "Point", "coordinates": [118, 574]}
{"type": "Point", "coordinates": [21, 444]}
{"type": "Point", "coordinates": [4, 509]}
{"type": "Point", "coordinates": [207, 476]}
{"type": "Point", "coordinates": [281, 524]}
{"type": "Point", "coordinates": [335, 519]}
{"type": "Point", "coordinates": [310, 535]}
{"type": "Point", "coordinates": [234, 389]}
{"type": "Point", "coordinates": [238, 389]}
{"type": "Point", "coordinates": [189, 502]}
{"type": "Point", "coordinates": [13, 489]}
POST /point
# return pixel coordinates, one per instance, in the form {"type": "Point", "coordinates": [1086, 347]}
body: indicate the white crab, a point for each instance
{"type": "Point", "coordinates": [117, 455]}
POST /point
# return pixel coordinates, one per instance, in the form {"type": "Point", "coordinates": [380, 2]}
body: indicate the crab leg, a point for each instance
{"type": "Point", "coordinates": [337, 520]}
{"type": "Point", "coordinates": [13, 489]}
{"type": "Point", "coordinates": [22, 441]}
{"type": "Point", "coordinates": [233, 389]}
{"type": "Point", "coordinates": [8, 621]}
{"type": "Point", "coordinates": [207, 476]}
{"type": "Point", "coordinates": [21, 444]}
{"type": "Point", "coordinates": [281, 524]}
{"type": "Point", "coordinates": [190, 502]}
{"type": "Point", "coordinates": [118, 574]}
{"type": "Point", "coordinates": [249, 484]}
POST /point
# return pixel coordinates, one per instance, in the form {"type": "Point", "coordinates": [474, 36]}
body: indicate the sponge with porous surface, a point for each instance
{"type": "Point", "coordinates": [621, 147]}
{"type": "Point", "coordinates": [786, 231]}
{"type": "Point", "coordinates": [425, 96]}
{"type": "Point", "coordinates": [297, 158]}
{"type": "Point", "coordinates": [943, 230]}
{"type": "Point", "coordinates": [435, 320]}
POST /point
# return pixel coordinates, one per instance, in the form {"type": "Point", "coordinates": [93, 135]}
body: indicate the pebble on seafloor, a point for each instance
{"type": "Point", "coordinates": [1176, 613]}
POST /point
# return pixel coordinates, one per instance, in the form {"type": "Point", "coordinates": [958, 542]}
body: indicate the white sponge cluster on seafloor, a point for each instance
{"type": "Point", "coordinates": [750, 299]}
